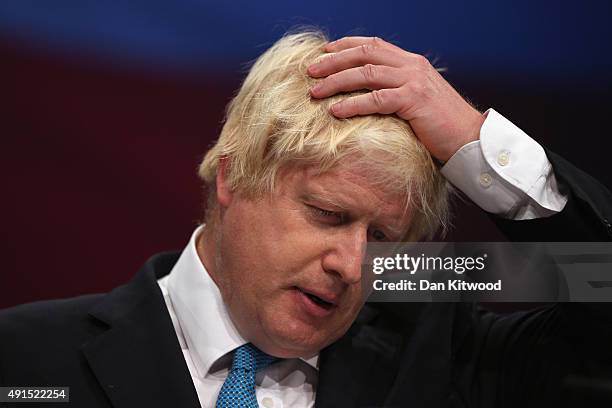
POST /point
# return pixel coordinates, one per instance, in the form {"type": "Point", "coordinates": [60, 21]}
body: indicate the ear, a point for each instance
{"type": "Point", "coordinates": [224, 191]}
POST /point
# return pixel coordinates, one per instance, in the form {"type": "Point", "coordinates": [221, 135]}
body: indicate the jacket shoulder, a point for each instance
{"type": "Point", "coordinates": [39, 341]}
{"type": "Point", "coordinates": [41, 316]}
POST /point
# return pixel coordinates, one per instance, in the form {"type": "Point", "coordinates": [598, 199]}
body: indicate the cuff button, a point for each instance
{"type": "Point", "coordinates": [485, 180]}
{"type": "Point", "coordinates": [504, 158]}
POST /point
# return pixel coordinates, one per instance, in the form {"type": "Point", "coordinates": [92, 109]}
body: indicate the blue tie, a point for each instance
{"type": "Point", "coordinates": [239, 387]}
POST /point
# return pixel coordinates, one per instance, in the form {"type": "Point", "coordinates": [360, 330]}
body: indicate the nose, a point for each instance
{"type": "Point", "coordinates": [345, 254]}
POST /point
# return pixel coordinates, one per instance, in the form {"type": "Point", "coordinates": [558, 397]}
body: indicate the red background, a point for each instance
{"type": "Point", "coordinates": [99, 162]}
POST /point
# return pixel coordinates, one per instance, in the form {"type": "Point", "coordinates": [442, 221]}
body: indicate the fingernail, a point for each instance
{"type": "Point", "coordinates": [316, 88]}
{"type": "Point", "coordinates": [336, 107]}
{"type": "Point", "coordinates": [313, 68]}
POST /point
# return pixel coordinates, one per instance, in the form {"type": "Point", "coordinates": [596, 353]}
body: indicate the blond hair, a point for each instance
{"type": "Point", "coordinates": [273, 122]}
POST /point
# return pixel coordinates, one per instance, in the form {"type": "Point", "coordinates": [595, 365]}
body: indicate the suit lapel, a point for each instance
{"type": "Point", "coordinates": [138, 360]}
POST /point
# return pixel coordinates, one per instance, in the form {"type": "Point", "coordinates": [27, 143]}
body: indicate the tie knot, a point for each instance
{"type": "Point", "coordinates": [250, 358]}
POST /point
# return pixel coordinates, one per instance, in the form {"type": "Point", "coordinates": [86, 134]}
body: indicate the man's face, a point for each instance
{"type": "Point", "coordinates": [289, 265]}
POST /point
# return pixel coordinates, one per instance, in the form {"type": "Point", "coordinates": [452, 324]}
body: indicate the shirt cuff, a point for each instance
{"type": "Point", "coordinates": [506, 172]}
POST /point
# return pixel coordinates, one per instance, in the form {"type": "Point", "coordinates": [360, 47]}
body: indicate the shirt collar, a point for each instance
{"type": "Point", "coordinates": [209, 332]}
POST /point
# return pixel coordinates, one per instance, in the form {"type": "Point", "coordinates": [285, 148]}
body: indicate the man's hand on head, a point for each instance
{"type": "Point", "coordinates": [401, 82]}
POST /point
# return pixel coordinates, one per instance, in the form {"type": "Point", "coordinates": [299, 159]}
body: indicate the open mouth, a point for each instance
{"type": "Point", "coordinates": [316, 300]}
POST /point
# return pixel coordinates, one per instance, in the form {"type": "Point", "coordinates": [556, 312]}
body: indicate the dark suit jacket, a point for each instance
{"type": "Point", "coordinates": [120, 349]}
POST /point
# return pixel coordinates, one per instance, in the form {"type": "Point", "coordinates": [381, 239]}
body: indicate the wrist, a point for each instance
{"type": "Point", "coordinates": [469, 132]}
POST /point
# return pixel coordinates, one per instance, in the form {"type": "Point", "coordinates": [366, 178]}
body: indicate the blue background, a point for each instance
{"type": "Point", "coordinates": [529, 40]}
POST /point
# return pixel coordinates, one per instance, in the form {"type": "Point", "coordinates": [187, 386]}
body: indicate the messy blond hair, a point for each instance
{"type": "Point", "coordinates": [273, 122]}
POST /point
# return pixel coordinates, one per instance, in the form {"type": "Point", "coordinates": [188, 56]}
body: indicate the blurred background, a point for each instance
{"type": "Point", "coordinates": [108, 107]}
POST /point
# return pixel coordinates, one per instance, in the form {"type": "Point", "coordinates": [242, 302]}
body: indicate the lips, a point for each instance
{"type": "Point", "coordinates": [316, 302]}
{"type": "Point", "coordinates": [320, 297]}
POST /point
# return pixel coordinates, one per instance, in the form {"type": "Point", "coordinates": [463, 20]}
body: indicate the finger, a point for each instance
{"type": "Point", "coordinates": [353, 79]}
{"type": "Point", "coordinates": [383, 101]}
{"type": "Point", "coordinates": [354, 57]}
{"type": "Point", "coordinates": [356, 41]}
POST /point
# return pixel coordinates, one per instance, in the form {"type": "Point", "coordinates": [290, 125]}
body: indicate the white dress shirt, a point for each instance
{"type": "Point", "coordinates": [505, 172]}
{"type": "Point", "coordinates": [208, 339]}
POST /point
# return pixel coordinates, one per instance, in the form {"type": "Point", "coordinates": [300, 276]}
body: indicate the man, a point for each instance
{"type": "Point", "coordinates": [265, 304]}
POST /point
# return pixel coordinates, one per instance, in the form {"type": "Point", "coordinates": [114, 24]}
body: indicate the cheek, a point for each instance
{"type": "Point", "coordinates": [258, 253]}
{"type": "Point", "coordinates": [272, 241]}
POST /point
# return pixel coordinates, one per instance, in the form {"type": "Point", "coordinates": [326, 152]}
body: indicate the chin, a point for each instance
{"type": "Point", "coordinates": [295, 339]}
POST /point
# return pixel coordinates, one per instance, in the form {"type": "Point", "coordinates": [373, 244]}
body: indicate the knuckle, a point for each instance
{"type": "Point", "coordinates": [369, 72]}
{"type": "Point", "coordinates": [379, 98]}
{"type": "Point", "coordinates": [422, 61]}
{"type": "Point", "coordinates": [329, 58]}
{"type": "Point", "coordinates": [367, 49]}
{"type": "Point", "coordinates": [377, 41]}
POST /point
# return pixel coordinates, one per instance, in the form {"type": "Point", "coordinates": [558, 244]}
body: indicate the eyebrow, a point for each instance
{"type": "Point", "coordinates": [324, 199]}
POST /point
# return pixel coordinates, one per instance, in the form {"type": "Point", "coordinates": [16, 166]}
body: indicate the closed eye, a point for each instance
{"type": "Point", "coordinates": [338, 218]}
{"type": "Point", "coordinates": [326, 215]}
